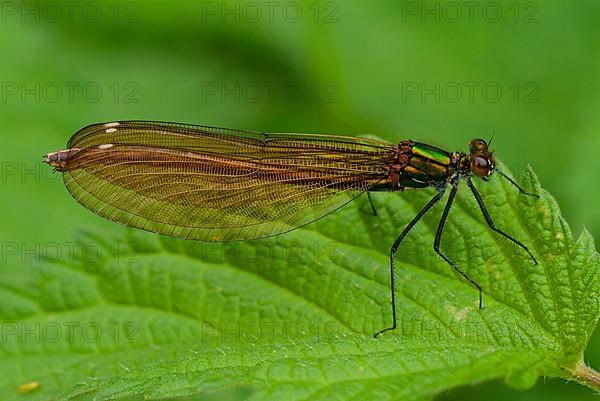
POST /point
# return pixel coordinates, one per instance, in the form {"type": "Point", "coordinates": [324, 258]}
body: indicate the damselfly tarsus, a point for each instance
{"type": "Point", "coordinates": [215, 184]}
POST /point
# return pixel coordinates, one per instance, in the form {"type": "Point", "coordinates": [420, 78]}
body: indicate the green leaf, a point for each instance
{"type": "Point", "coordinates": [133, 315]}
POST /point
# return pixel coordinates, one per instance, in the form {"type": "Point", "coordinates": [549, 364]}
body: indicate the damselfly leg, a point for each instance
{"type": "Point", "coordinates": [441, 190]}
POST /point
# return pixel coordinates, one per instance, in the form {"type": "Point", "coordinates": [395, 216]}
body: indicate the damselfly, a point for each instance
{"type": "Point", "coordinates": [216, 184]}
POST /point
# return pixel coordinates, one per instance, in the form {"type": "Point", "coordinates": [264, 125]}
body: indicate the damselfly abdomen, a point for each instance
{"type": "Point", "coordinates": [215, 184]}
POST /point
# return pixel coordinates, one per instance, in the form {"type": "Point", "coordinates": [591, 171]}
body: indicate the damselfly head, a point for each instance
{"type": "Point", "coordinates": [482, 162]}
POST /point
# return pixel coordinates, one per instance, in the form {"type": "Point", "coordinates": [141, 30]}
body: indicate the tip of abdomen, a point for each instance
{"type": "Point", "coordinates": [60, 159]}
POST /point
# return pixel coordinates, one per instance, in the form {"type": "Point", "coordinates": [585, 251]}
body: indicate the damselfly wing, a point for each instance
{"type": "Point", "coordinates": [216, 184]}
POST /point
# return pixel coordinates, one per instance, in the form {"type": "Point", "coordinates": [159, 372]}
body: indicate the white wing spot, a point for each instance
{"type": "Point", "coordinates": [106, 146]}
{"type": "Point", "coordinates": [109, 125]}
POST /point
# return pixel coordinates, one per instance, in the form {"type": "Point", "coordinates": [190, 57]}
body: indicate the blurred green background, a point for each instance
{"type": "Point", "coordinates": [440, 72]}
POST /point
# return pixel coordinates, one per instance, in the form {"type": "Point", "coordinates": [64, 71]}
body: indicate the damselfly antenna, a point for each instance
{"type": "Point", "coordinates": [492, 138]}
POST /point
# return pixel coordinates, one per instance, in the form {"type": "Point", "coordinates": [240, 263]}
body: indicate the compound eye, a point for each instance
{"type": "Point", "coordinates": [481, 167]}
{"type": "Point", "coordinates": [478, 145]}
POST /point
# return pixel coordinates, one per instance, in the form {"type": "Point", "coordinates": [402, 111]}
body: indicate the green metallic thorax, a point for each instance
{"type": "Point", "coordinates": [418, 165]}
{"type": "Point", "coordinates": [428, 165]}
